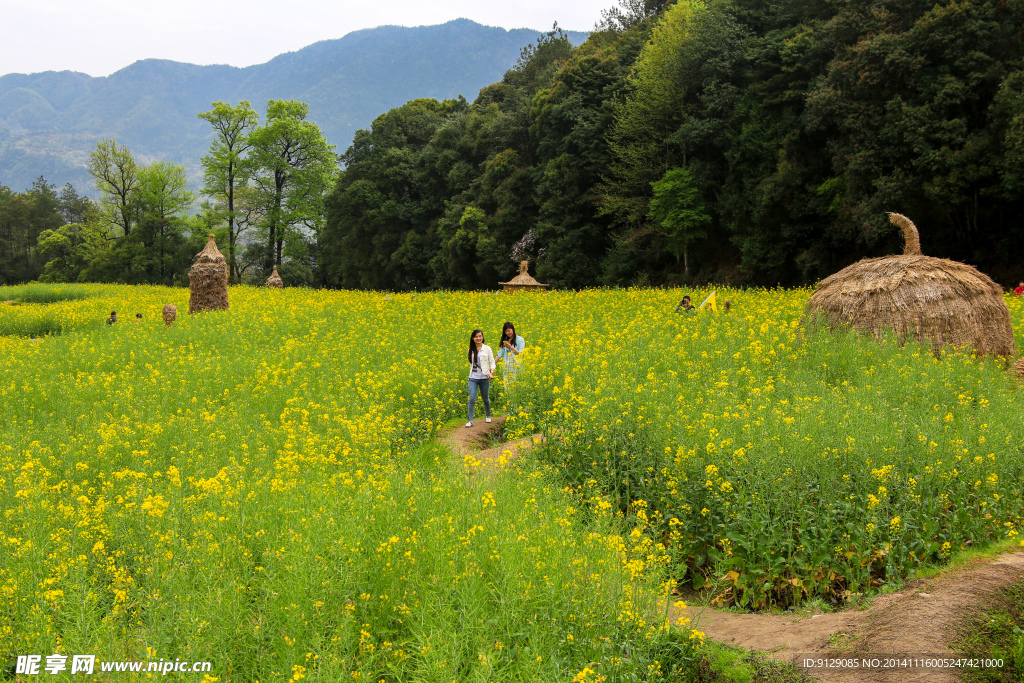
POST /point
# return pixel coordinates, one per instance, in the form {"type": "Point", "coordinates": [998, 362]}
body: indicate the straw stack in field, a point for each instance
{"type": "Point", "coordinates": [522, 282]}
{"type": "Point", "coordinates": [929, 299]}
{"type": "Point", "coordinates": [1018, 368]}
{"type": "Point", "coordinates": [275, 280]}
{"type": "Point", "coordinates": [170, 314]}
{"type": "Point", "coordinates": [208, 280]}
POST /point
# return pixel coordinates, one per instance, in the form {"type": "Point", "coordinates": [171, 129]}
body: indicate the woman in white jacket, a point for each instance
{"type": "Point", "coordinates": [481, 372]}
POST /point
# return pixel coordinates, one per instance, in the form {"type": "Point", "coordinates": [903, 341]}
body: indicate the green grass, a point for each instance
{"type": "Point", "coordinates": [36, 327]}
{"type": "Point", "coordinates": [997, 635]}
{"type": "Point", "coordinates": [43, 294]}
{"type": "Point", "coordinates": [22, 319]}
{"type": "Point", "coordinates": [723, 664]}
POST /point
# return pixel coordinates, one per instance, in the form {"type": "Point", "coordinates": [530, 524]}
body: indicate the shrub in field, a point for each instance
{"type": "Point", "coordinates": [67, 307]}
{"type": "Point", "coordinates": [28, 321]}
{"type": "Point", "coordinates": [33, 325]}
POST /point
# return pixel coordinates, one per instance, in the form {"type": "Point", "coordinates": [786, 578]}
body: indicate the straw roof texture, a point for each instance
{"type": "Point", "coordinates": [208, 280]}
{"type": "Point", "coordinates": [930, 299]}
{"type": "Point", "coordinates": [275, 280]}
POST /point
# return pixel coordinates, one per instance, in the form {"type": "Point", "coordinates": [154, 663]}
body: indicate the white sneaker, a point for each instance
{"type": "Point", "coordinates": [469, 424]}
{"type": "Point", "coordinates": [488, 420]}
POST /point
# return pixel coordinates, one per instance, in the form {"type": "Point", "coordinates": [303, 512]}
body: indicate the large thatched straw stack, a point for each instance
{"type": "Point", "coordinates": [208, 280]}
{"type": "Point", "coordinates": [275, 280]}
{"type": "Point", "coordinates": [929, 299]}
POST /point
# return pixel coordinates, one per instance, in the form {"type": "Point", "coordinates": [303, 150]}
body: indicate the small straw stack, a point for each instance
{"type": "Point", "coordinates": [275, 280]}
{"type": "Point", "coordinates": [170, 314]}
{"type": "Point", "coordinates": [522, 282]}
{"type": "Point", "coordinates": [208, 280]}
{"type": "Point", "coordinates": [929, 299]}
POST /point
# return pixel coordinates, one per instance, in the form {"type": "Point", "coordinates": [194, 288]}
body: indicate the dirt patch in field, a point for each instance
{"type": "Point", "coordinates": [481, 435]}
{"type": "Point", "coordinates": [482, 442]}
{"type": "Point", "coordinates": [917, 622]}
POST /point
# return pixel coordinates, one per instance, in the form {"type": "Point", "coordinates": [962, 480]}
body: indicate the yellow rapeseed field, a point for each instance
{"type": "Point", "coordinates": [259, 488]}
{"type": "Point", "coordinates": [255, 488]}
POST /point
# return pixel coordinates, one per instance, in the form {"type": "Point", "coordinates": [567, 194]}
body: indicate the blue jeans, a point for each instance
{"type": "Point", "coordinates": [484, 387]}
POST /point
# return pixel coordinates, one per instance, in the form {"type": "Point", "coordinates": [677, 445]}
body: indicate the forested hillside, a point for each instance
{"type": "Point", "coordinates": [732, 141]}
{"type": "Point", "coordinates": [50, 122]}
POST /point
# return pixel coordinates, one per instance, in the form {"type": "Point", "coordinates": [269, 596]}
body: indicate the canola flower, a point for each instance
{"type": "Point", "coordinates": [251, 485]}
{"type": "Point", "coordinates": [774, 463]}
{"type": "Point", "coordinates": [256, 488]}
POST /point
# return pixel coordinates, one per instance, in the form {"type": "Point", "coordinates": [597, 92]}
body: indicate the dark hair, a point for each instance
{"type": "Point", "coordinates": [138, 315]}
{"type": "Point", "coordinates": [113, 313]}
{"type": "Point", "coordinates": [508, 326]}
{"type": "Point", "coordinates": [474, 353]}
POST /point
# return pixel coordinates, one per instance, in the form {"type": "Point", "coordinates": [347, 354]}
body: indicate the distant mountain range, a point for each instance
{"type": "Point", "coordinates": [50, 121]}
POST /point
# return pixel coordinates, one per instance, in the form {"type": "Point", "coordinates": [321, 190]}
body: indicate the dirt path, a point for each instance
{"type": "Point", "coordinates": [474, 445]}
{"type": "Point", "coordinates": [918, 622]}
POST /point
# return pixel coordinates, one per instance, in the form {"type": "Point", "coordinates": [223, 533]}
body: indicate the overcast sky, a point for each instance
{"type": "Point", "coordinates": [99, 37]}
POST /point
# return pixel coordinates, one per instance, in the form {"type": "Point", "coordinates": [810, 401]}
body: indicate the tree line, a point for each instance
{"type": "Point", "coordinates": [262, 196]}
{"type": "Point", "coordinates": [733, 141]}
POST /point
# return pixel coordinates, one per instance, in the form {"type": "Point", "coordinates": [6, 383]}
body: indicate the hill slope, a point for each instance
{"type": "Point", "coordinates": [49, 122]}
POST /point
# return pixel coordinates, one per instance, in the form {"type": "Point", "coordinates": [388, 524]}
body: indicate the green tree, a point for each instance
{"type": "Point", "coordinates": [164, 203]}
{"type": "Point", "coordinates": [468, 249]}
{"type": "Point", "coordinates": [570, 122]}
{"type": "Point", "coordinates": [14, 248]}
{"type": "Point", "coordinates": [71, 249]}
{"type": "Point", "coordinates": [382, 213]}
{"type": "Point", "coordinates": [659, 84]}
{"type": "Point", "coordinates": [766, 199]}
{"type": "Point", "coordinates": [75, 208]}
{"type": "Point", "coordinates": [538, 62]}
{"type": "Point", "coordinates": [292, 167]}
{"type": "Point", "coordinates": [46, 207]}
{"type": "Point", "coordinates": [628, 14]}
{"type": "Point", "coordinates": [224, 168]}
{"type": "Point", "coordinates": [677, 206]}
{"type": "Point", "coordinates": [115, 171]}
